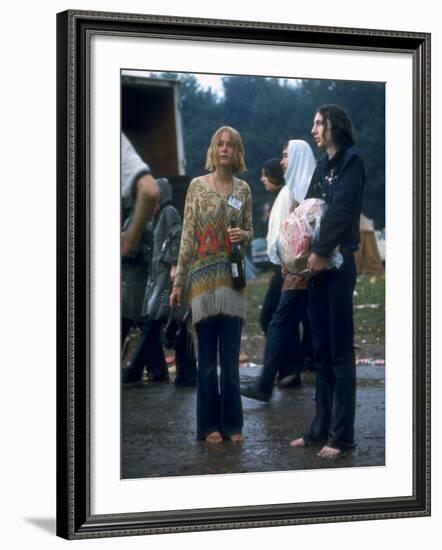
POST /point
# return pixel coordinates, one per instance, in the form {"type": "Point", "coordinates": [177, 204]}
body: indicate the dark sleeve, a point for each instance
{"type": "Point", "coordinates": [312, 192]}
{"type": "Point", "coordinates": [171, 249]}
{"type": "Point", "coordinates": [343, 209]}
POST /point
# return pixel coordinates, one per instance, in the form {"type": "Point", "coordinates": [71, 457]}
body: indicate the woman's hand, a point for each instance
{"type": "Point", "coordinates": [236, 234]}
{"type": "Point", "coordinates": [172, 273]}
{"type": "Point", "coordinates": [175, 296]}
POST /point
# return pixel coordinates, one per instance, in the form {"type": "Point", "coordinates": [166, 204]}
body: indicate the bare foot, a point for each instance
{"type": "Point", "coordinates": [329, 452]}
{"type": "Point", "coordinates": [236, 438]}
{"type": "Point", "coordinates": [297, 443]}
{"type": "Point", "coordinates": [214, 437]}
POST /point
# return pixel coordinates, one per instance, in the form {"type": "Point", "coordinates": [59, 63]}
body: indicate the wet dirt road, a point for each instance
{"type": "Point", "coordinates": [158, 430]}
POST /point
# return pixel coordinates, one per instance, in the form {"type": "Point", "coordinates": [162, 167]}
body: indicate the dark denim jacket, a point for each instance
{"type": "Point", "coordinates": [340, 182]}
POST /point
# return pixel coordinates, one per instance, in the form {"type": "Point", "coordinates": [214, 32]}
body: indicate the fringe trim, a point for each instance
{"type": "Point", "coordinates": [220, 301]}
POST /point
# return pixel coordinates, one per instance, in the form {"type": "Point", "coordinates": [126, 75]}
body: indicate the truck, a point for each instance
{"type": "Point", "coordinates": [151, 119]}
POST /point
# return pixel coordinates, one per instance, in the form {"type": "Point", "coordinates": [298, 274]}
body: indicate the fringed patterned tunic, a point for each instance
{"type": "Point", "coordinates": [203, 264]}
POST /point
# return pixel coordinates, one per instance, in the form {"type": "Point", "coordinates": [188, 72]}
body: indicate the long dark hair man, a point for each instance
{"type": "Point", "coordinates": [339, 180]}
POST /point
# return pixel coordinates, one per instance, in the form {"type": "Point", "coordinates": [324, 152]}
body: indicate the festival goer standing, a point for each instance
{"type": "Point", "coordinates": [155, 306]}
{"type": "Point", "coordinates": [218, 213]}
{"type": "Point", "coordinates": [272, 179]}
{"type": "Point", "coordinates": [283, 348]}
{"type": "Point", "coordinates": [139, 200]}
{"type": "Point", "coordinates": [138, 191]}
{"type": "Point", "coordinates": [339, 180]}
{"type": "Point", "coordinates": [298, 164]}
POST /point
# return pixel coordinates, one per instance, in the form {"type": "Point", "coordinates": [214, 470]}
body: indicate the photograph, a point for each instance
{"type": "Point", "coordinates": [243, 274]}
{"type": "Point", "coordinates": [227, 217]}
{"type": "Point", "coordinates": [297, 166]}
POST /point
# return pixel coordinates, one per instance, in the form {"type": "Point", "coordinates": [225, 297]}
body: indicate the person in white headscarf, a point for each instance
{"type": "Point", "coordinates": [285, 356]}
{"type": "Point", "coordinates": [300, 167]}
{"type": "Point", "coordinates": [298, 164]}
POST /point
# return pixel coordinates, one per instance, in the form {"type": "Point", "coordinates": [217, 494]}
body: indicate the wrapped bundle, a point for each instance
{"type": "Point", "coordinates": [296, 235]}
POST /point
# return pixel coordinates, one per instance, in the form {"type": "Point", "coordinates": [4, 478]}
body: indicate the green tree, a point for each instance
{"type": "Point", "coordinates": [268, 111]}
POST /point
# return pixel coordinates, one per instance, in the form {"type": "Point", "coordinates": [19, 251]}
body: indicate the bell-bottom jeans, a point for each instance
{"type": "Point", "coordinates": [283, 339]}
{"type": "Point", "coordinates": [331, 314]}
{"type": "Point", "coordinates": [219, 405]}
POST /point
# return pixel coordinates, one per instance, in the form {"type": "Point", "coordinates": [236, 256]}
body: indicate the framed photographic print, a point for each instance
{"type": "Point", "coordinates": [129, 460]}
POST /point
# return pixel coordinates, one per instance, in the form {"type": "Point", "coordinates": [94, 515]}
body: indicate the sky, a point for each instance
{"type": "Point", "coordinates": [214, 82]}
{"type": "Point", "coordinates": [211, 81]}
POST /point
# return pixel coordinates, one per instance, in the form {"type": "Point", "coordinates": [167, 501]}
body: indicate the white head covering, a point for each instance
{"type": "Point", "coordinates": [280, 210]}
{"type": "Point", "coordinates": [300, 167]}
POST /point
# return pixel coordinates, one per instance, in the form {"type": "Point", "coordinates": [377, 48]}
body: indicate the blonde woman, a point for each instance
{"type": "Point", "coordinates": [217, 213]}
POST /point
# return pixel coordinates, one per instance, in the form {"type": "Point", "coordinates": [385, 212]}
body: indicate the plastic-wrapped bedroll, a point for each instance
{"type": "Point", "coordinates": [298, 232]}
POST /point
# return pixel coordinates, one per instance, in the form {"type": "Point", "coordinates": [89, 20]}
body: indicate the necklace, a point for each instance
{"type": "Point", "coordinates": [216, 187]}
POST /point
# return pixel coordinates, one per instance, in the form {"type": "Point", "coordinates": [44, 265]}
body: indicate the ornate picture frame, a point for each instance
{"type": "Point", "coordinates": [75, 32]}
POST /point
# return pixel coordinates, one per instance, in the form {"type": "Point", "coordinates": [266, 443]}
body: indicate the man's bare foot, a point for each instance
{"type": "Point", "coordinates": [329, 452]}
{"type": "Point", "coordinates": [297, 443]}
{"type": "Point", "coordinates": [236, 438]}
{"type": "Point", "coordinates": [214, 437]}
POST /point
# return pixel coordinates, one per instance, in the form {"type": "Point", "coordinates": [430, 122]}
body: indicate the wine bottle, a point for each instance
{"type": "Point", "coordinates": [237, 265]}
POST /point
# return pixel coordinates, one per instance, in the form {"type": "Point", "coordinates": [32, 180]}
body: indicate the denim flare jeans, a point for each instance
{"type": "Point", "coordinates": [331, 313]}
{"type": "Point", "coordinates": [218, 406]}
{"type": "Point", "coordinates": [283, 339]}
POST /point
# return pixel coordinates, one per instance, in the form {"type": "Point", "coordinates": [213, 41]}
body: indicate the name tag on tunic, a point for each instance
{"type": "Point", "coordinates": [235, 203]}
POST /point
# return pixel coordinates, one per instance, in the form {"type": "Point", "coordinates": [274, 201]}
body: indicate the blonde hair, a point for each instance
{"type": "Point", "coordinates": [239, 164]}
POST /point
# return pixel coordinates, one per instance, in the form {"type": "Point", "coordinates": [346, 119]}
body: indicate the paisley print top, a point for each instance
{"type": "Point", "coordinates": [203, 264]}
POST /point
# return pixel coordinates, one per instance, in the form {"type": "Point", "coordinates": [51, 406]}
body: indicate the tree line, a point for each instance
{"type": "Point", "coordinates": [268, 112]}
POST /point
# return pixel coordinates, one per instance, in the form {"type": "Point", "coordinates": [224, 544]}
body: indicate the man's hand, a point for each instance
{"type": "Point", "coordinates": [316, 263]}
{"type": "Point", "coordinates": [127, 243]}
{"type": "Point", "coordinates": [146, 202]}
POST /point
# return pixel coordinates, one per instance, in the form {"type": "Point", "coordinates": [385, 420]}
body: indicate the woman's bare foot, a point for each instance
{"type": "Point", "coordinates": [297, 443]}
{"type": "Point", "coordinates": [236, 438]}
{"type": "Point", "coordinates": [329, 452]}
{"type": "Point", "coordinates": [214, 437]}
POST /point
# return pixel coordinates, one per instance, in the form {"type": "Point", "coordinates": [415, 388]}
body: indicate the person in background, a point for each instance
{"type": "Point", "coordinates": [272, 178]}
{"type": "Point", "coordinates": [283, 348]}
{"type": "Point", "coordinates": [139, 188]}
{"type": "Point", "coordinates": [298, 164]}
{"type": "Point", "coordinates": [339, 179]}
{"type": "Point", "coordinates": [155, 308]}
{"type": "Point", "coordinates": [218, 212]}
{"type": "Point", "coordinates": [139, 200]}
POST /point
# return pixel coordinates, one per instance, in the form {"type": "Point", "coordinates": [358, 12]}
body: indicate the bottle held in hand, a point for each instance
{"type": "Point", "coordinates": [237, 265]}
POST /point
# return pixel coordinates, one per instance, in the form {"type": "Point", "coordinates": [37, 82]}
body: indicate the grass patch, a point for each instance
{"type": "Point", "coordinates": [369, 322]}
{"type": "Point", "coordinates": [253, 341]}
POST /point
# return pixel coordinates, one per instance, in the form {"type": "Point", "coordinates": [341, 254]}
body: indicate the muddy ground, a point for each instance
{"type": "Point", "coordinates": [158, 419]}
{"type": "Point", "coordinates": [158, 431]}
